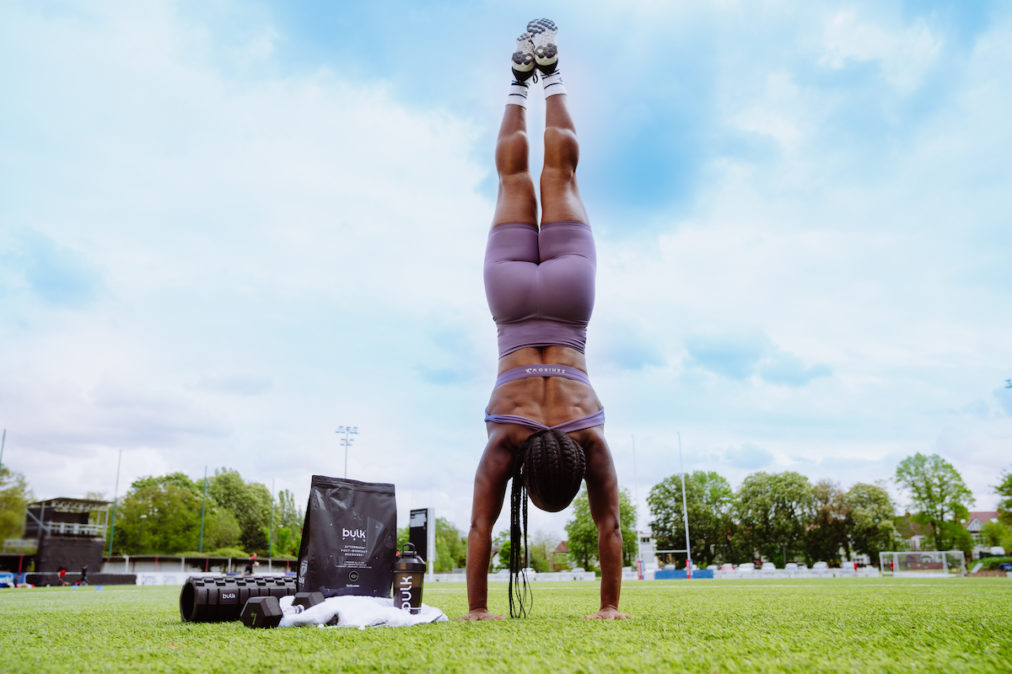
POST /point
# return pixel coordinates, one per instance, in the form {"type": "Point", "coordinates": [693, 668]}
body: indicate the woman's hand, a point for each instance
{"type": "Point", "coordinates": [608, 613]}
{"type": "Point", "coordinates": [480, 614]}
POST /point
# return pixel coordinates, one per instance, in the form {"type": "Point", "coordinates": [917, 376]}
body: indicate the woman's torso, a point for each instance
{"type": "Point", "coordinates": [546, 400]}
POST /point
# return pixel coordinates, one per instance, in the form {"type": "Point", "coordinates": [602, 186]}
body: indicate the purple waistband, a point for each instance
{"type": "Point", "coordinates": [571, 426]}
{"type": "Point", "coordinates": [544, 370]}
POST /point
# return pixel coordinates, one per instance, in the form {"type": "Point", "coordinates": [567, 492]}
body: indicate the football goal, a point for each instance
{"type": "Point", "coordinates": [923, 564]}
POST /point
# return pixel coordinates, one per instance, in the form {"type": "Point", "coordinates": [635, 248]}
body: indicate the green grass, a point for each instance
{"type": "Point", "coordinates": [944, 625]}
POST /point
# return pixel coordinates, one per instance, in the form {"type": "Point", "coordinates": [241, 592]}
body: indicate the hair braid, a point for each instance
{"type": "Point", "coordinates": [519, 591]}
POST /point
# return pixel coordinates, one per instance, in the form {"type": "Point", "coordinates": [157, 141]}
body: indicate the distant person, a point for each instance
{"type": "Point", "coordinates": [250, 564]}
{"type": "Point", "coordinates": [84, 575]}
{"type": "Point", "coordinates": [545, 424]}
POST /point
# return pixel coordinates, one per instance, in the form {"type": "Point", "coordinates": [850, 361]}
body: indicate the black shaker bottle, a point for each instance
{"type": "Point", "coordinates": [409, 571]}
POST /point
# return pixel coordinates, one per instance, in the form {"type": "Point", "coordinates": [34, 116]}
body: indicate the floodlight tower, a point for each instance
{"type": "Point", "coordinates": [346, 442]}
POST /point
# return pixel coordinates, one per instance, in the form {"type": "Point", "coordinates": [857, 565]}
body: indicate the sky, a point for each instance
{"type": "Point", "coordinates": [229, 228]}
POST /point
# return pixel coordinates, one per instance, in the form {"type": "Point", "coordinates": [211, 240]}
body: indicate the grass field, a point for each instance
{"type": "Point", "coordinates": [943, 625]}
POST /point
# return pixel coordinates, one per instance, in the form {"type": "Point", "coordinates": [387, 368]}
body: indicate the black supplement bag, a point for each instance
{"type": "Point", "coordinates": [349, 538]}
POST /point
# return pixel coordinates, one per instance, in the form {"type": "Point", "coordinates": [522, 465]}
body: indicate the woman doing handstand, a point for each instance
{"type": "Point", "coordinates": [545, 423]}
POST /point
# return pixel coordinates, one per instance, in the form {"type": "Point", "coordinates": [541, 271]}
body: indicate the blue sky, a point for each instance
{"type": "Point", "coordinates": [228, 228]}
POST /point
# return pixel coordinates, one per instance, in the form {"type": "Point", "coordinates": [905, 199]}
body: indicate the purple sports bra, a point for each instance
{"type": "Point", "coordinates": [546, 370]}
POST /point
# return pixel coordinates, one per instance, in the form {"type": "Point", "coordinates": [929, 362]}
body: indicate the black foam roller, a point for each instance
{"type": "Point", "coordinates": [222, 598]}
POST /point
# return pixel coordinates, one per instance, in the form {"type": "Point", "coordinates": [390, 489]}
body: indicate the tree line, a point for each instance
{"type": "Point", "coordinates": [162, 515]}
{"type": "Point", "coordinates": [783, 517]}
{"type": "Point", "coordinates": [173, 514]}
{"type": "Point", "coordinates": [778, 517]}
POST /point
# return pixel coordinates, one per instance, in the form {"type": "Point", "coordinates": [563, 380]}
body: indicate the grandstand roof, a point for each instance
{"type": "Point", "coordinates": [72, 505]}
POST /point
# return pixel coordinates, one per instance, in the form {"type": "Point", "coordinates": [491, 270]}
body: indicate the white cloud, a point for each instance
{"type": "Point", "coordinates": [903, 52]}
{"type": "Point", "coordinates": [777, 112]}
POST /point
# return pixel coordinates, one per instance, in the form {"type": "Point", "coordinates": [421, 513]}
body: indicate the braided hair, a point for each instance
{"type": "Point", "coordinates": [549, 466]}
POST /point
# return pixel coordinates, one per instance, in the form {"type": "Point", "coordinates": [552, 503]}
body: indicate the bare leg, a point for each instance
{"type": "Point", "coordinates": [560, 198]}
{"type": "Point", "coordinates": [516, 201]}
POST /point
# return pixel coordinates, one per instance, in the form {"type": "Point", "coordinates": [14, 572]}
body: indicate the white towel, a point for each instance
{"type": "Point", "coordinates": [358, 612]}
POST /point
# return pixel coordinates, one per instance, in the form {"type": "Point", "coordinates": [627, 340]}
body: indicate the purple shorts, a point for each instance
{"type": "Point", "coordinates": [540, 284]}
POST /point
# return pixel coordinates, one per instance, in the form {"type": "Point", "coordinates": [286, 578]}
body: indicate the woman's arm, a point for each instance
{"type": "Point", "coordinates": [489, 490]}
{"type": "Point", "coordinates": [602, 489]}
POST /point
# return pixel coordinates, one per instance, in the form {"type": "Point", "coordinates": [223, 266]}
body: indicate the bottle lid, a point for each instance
{"type": "Point", "coordinates": [409, 560]}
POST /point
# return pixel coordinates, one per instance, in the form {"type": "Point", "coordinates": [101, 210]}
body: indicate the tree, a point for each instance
{"type": "Point", "coordinates": [249, 503]}
{"type": "Point", "coordinates": [14, 497]}
{"type": "Point", "coordinates": [957, 538]}
{"type": "Point", "coordinates": [1004, 490]}
{"type": "Point", "coordinates": [542, 545]}
{"type": "Point", "coordinates": [539, 550]}
{"type": "Point", "coordinates": [159, 515]}
{"type": "Point", "coordinates": [870, 514]}
{"type": "Point", "coordinates": [451, 547]}
{"type": "Point", "coordinates": [221, 530]}
{"type": "Point", "coordinates": [501, 542]}
{"type": "Point", "coordinates": [710, 502]}
{"type": "Point", "coordinates": [937, 493]}
{"type": "Point", "coordinates": [286, 513]}
{"type": "Point", "coordinates": [627, 525]}
{"type": "Point", "coordinates": [288, 519]}
{"type": "Point", "coordinates": [828, 532]}
{"type": "Point", "coordinates": [582, 531]}
{"type": "Point", "coordinates": [997, 534]}
{"type": "Point", "coordinates": [773, 512]}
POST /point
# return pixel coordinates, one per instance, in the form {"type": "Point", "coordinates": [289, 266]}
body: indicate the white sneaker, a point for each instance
{"type": "Point", "coordinates": [546, 53]}
{"type": "Point", "coordinates": [523, 58]}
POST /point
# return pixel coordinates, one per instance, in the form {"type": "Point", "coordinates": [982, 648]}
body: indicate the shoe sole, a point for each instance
{"type": "Point", "coordinates": [546, 53]}
{"type": "Point", "coordinates": [523, 60]}
{"type": "Point", "coordinates": [537, 27]}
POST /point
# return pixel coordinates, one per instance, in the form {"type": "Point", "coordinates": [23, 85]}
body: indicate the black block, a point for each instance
{"type": "Point", "coordinates": [307, 599]}
{"type": "Point", "coordinates": [262, 612]}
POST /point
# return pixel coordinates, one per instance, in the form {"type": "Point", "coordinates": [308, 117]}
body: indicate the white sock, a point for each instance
{"type": "Point", "coordinates": [553, 84]}
{"type": "Point", "coordinates": [517, 94]}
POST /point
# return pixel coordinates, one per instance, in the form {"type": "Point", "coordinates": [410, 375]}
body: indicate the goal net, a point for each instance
{"type": "Point", "coordinates": [923, 564]}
